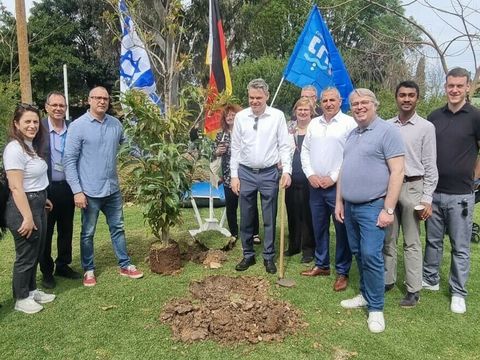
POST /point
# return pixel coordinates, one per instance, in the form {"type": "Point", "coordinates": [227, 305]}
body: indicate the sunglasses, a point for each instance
{"type": "Point", "coordinates": [27, 107]}
{"type": "Point", "coordinates": [464, 204]}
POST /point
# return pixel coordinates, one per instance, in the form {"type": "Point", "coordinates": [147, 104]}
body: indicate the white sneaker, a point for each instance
{"type": "Point", "coordinates": [40, 297]}
{"type": "Point", "coordinates": [376, 322]}
{"type": "Point", "coordinates": [28, 305]}
{"type": "Point", "coordinates": [427, 286]}
{"type": "Point", "coordinates": [457, 305]}
{"type": "Point", "coordinates": [354, 303]}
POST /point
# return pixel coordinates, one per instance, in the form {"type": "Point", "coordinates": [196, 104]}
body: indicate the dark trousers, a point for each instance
{"type": "Point", "coordinates": [300, 229]}
{"type": "Point", "coordinates": [61, 196]}
{"type": "Point", "coordinates": [322, 205]}
{"type": "Point", "coordinates": [27, 251]}
{"type": "Point", "coordinates": [251, 183]}
{"type": "Point", "coordinates": [231, 203]}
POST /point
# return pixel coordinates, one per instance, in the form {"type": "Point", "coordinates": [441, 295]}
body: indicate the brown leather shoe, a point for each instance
{"type": "Point", "coordinates": [341, 283]}
{"type": "Point", "coordinates": [316, 271]}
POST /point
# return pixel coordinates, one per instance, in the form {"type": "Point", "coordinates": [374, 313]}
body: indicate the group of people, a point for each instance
{"type": "Point", "coordinates": [371, 176]}
{"type": "Point", "coordinates": [53, 166]}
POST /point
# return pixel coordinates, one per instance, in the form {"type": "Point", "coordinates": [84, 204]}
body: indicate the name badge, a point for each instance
{"type": "Point", "coordinates": [58, 167]}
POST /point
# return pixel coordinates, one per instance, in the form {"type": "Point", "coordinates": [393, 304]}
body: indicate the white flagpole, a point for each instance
{"type": "Point", "coordinates": [278, 89]}
{"type": "Point", "coordinates": [65, 89]}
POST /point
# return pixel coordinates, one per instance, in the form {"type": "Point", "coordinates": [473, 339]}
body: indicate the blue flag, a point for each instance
{"type": "Point", "coordinates": [316, 61]}
{"type": "Point", "coordinates": [135, 69]}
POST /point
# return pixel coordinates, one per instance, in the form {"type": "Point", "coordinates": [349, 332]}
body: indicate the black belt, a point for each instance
{"type": "Point", "coordinates": [412, 178]}
{"type": "Point", "coordinates": [259, 170]}
{"type": "Point", "coordinates": [35, 192]}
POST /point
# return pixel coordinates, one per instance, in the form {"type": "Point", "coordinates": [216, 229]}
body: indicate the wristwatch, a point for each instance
{"type": "Point", "coordinates": [389, 211]}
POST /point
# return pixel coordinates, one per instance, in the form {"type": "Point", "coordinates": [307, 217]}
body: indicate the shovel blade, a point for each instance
{"type": "Point", "coordinates": [289, 283]}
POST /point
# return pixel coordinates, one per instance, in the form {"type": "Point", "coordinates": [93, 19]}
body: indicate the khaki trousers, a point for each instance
{"type": "Point", "coordinates": [405, 217]}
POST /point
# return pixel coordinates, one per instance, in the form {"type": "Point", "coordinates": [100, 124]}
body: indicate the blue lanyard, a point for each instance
{"type": "Point", "coordinates": [63, 138]}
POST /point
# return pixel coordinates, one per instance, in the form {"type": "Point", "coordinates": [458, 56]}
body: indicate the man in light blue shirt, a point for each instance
{"type": "Point", "coordinates": [59, 193]}
{"type": "Point", "coordinates": [90, 163]}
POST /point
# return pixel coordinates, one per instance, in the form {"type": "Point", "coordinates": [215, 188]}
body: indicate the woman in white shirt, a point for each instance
{"type": "Point", "coordinates": [25, 213]}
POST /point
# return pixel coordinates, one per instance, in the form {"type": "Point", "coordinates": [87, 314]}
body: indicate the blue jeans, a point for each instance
{"type": "Point", "coordinates": [322, 205]}
{"type": "Point", "coordinates": [366, 243]}
{"type": "Point", "coordinates": [111, 207]}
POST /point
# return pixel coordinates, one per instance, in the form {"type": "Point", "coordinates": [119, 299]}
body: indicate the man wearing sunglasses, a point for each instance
{"type": "Point", "coordinates": [260, 142]}
{"type": "Point", "coordinates": [59, 193]}
{"type": "Point", "coordinates": [90, 163]}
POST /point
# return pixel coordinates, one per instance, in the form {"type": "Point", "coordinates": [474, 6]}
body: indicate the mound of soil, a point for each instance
{"type": "Point", "coordinates": [231, 309]}
{"type": "Point", "coordinates": [165, 258]}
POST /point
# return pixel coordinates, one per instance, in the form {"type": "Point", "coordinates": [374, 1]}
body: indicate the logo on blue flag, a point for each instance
{"type": "Point", "coordinates": [316, 61]}
{"type": "Point", "coordinates": [135, 69]}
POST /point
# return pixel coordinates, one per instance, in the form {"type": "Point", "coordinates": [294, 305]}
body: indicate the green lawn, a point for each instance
{"type": "Point", "coordinates": [118, 319]}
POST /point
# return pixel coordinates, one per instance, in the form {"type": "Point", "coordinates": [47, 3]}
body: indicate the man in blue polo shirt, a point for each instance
{"type": "Point", "coordinates": [90, 163]}
{"type": "Point", "coordinates": [367, 192]}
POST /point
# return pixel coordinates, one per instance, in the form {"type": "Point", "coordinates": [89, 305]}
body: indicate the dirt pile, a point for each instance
{"type": "Point", "coordinates": [231, 309]}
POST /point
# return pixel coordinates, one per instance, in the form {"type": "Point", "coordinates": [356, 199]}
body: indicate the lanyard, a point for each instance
{"type": "Point", "coordinates": [63, 138]}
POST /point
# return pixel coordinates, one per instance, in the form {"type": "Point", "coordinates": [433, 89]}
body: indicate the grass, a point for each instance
{"type": "Point", "coordinates": [118, 319]}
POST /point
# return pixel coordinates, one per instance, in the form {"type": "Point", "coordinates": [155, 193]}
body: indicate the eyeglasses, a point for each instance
{"type": "Point", "coordinates": [255, 125]}
{"type": "Point", "coordinates": [360, 103]}
{"type": "Point", "coordinates": [60, 106]}
{"type": "Point", "coordinates": [464, 204]}
{"type": "Point", "coordinates": [100, 98]}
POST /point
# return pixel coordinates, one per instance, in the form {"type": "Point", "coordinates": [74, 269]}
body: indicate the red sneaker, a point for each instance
{"type": "Point", "coordinates": [131, 271]}
{"type": "Point", "coordinates": [89, 279]}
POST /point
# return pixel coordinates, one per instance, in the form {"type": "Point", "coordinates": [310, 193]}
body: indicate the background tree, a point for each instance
{"type": "Point", "coordinates": [363, 33]}
{"type": "Point", "coordinates": [8, 46]}
{"type": "Point", "coordinates": [71, 32]}
{"type": "Point", "coordinates": [468, 33]}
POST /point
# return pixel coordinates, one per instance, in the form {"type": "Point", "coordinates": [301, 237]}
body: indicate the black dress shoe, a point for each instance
{"type": "Point", "coordinates": [410, 300]}
{"type": "Point", "coordinates": [270, 266]}
{"type": "Point", "coordinates": [291, 252]}
{"type": "Point", "coordinates": [306, 259]}
{"type": "Point", "coordinates": [389, 287]}
{"type": "Point", "coordinates": [245, 264]}
{"type": "Point", "coordinates": [67, 272]}
{"type": "Point", "coordinates": [48, 282]}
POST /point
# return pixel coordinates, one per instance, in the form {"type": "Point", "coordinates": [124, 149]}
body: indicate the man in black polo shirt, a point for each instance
{"type": "Point", "coordinates": [457, 128]}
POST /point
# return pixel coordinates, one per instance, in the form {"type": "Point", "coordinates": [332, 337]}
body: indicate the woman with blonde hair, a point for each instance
{"type": "Point", "coordinates": [300, 229]}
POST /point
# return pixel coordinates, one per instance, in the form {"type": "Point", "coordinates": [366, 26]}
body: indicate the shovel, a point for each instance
{"type": "Point", "coordinates": [281, 274]}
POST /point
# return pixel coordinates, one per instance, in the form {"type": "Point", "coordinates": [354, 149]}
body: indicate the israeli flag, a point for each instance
{"type": "Point", "coordinates": [316, 61]}
{"type": "Point", "coordinates": [135, 69]}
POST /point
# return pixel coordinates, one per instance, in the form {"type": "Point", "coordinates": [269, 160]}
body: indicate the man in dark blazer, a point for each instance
{"type": "Point", "coordinates": [59, 193]}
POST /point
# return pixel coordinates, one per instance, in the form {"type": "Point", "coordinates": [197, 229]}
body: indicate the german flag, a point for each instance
{"type": "Point", "coordinates": [219, 72]}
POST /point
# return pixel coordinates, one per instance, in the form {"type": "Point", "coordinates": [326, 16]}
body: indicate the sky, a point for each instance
{"type": "Point", "coordinates": [443, 30]}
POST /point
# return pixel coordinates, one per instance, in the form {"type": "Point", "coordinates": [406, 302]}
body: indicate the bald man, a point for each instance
{"type": "Point", "coordinates": [90, 163]}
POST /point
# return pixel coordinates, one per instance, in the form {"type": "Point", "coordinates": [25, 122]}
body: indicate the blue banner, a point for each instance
{"type": "Point", "coordinates": [135, 69]}
{"type": "Point", "coordinates": [316, 61]}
